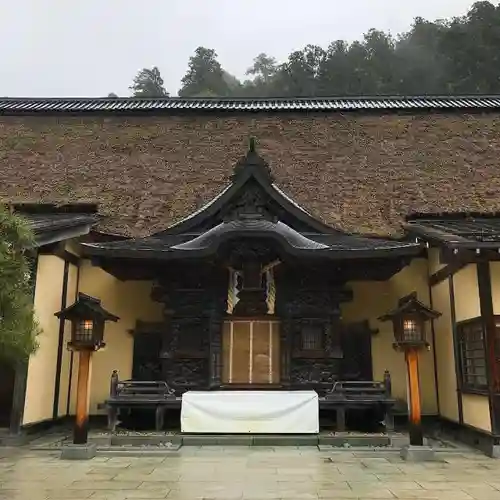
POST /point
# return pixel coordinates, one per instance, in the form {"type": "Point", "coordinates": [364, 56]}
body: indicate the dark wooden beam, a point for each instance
{"type": "Point", "coordinates": [58, 250]}
{"type": "Point", "coordinates": [60, 343]}
{"type": "Point", "coordinates": [469, 255]}
{"type": "Point", "coordinates": [489, 328]}
{"type": "Point", "coordinates": [434, 353]}
{"type": "Point", "coordinates": [446, 272]}
{"type": "Point", "coordinates": [72, 354]}
{"type": "Point", "coordinates": [456, 349]}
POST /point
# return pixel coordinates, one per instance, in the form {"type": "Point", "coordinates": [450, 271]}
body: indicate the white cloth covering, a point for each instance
{"type": "Point", "coordinates": [256, 412]}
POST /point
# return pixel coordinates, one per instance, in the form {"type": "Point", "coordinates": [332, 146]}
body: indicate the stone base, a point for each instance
{"type": "Point", "coordinates": [417, 454]}
{"type": "Point", "coordinates": [14, 439]}
{"type": "Point", "coordinates": [78, 451]}
{"type": "Point", "coordinates": [401, 440]}
{"type": "Point", "coordinates": [495, 451]}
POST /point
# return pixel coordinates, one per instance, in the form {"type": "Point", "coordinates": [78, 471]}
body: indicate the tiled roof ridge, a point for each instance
{"type": "Point", "coordinates": [334, 103]}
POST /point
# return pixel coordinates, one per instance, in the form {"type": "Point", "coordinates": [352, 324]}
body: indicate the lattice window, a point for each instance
{"type": "Point", "coordinates": [312, 337]}
{"type": "Point", "coordinates": [84, 330]}
{"type": "Point", "coordinates": [473, 354]}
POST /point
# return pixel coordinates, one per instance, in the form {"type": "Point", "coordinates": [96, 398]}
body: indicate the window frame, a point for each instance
{"type": "Point", "coordinates": [472, 325]}
{"type": "Point", "coordinates": [320, 352]}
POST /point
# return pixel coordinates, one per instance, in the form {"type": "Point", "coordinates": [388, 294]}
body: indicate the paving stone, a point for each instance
{"type": "Point", "coordinates": [243, 472]}
{"type": "Point", "coordinates": [434, 495]}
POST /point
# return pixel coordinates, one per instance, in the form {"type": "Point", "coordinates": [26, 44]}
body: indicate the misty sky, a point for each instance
{"type": "Point", "coordinates": [93, 47]}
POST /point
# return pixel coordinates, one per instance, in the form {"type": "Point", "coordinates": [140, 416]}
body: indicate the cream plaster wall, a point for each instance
{"type": "Point", "coordinates": [495, 286]}
{"type": "Point", "coordinates": [476, 411]}
{"type": "Point", "coordinates": [466, 293]}
{"type": "Point", "coordinates": [445, 357]}
{"type": "Point", "coordinates": [130, 301]}
{"type": "Point", "coordinates": [372, 300]}
{"type": "Point", "coordinates": [433, 259]}
{"type": "Point", "coordinates": [42, 365]}
{"type": "Point", "coordinates": [475, 408]}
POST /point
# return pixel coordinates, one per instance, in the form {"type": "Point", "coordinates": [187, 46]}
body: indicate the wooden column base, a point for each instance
{"type": "Point", "coordinates": [80, 431]}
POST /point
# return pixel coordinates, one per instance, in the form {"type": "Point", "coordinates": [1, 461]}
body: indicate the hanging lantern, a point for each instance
{"type": "Point", "coordinates": [87, 318]}
{"type": "Point", "coordinates": [409, 323]}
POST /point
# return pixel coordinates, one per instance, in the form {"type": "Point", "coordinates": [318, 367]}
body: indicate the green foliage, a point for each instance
{"type": "Point", "coordinates": [205, 76]}
{"type": "Point", "coordinates": [457, 56]}
{"type": "Point", "coordinates": [263, 69]}
{"type": "Point", "coordinates": [18, 326]}
{"type": "Point", "coordinates": [148, 83]}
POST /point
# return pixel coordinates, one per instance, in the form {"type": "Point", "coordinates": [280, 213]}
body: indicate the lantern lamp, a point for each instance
{"type": "Point", "coordinates": [87, 318]}
{"type": "Point", "coordinates": [409, 321]}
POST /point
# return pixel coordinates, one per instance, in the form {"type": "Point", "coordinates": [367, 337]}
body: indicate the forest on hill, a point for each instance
{"type": "Point", "coordinates": [447, 57]}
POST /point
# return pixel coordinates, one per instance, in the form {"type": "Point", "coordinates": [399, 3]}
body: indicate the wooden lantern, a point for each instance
{"type": "Point", "coordinates": [409, 321]}
{"type": "Point", "coordinates": [87, 318]}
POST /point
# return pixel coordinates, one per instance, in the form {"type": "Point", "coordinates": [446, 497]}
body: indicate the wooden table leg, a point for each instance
{"type": "Point", "coordinates": [159, 418]}
{"type": "Point", "coordinates": [112, 418]}
{"type": "Point", "coordinates": [389, 419]}
{"type": "Point", "coordinates": [341, 419]}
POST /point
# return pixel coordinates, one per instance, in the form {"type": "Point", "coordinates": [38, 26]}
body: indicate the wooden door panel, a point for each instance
{"type": "Point", "coordinates": [240, 354]}
{"type": "Point", "coordinates": [251, 353]}
{"type": "Point", "coordinates": [276, 354]}
{"type": "Point", "coordinates": [262, 341]}
{"type": "Point", "coordinates": [226, 352]}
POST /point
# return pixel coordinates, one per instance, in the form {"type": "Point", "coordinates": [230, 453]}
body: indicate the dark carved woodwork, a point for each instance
{"type": "Point", "coordinates": [194, 299]}
{"type": "Point", "coordinates": [251, 293]}
{"type": "Point", "coordinates": [316, 374]}
{"type": "Point", "coordinates": [356, 344]}
{"type": "Point", "coordinates": [239, 252]}
{"type": "Point", "coordinates": [187, 374]}
{"type": "Point", "coordinates": [147, 347]}
{"type": "Point", "coordinates": [307, 295]}
{"type": "Point", "coordinates": [216, 319]}
{"type": "Point", "coordinates": [254, 200]}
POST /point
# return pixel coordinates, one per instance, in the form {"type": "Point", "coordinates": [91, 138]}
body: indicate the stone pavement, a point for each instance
{"type": "Point", "coordinates": [246, 473]}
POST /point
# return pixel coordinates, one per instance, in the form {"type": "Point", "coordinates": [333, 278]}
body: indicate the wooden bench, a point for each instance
{"type": "Point", "coordinates": [130, 394]}
{"type": "Point", "coordinates": [354, 394]}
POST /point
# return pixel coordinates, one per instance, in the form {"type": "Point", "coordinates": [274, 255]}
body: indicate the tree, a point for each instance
{"type": "Point", "coordinates": [263, 68]}
{"type": "Point", "coordinates": [470, 48]}
{"type": "Point", "coordinates": [148, 83]}
{"type": "Point", "coordinates": [205, 76]}
{"type": "Point", "coordinates": [420, 63]}
{"type": "Point", "coordinates": [112, 95]}
{"type": "Point", "coordinates": [299, 75]}
{"type": "Point", "coordinates": [18, 326]}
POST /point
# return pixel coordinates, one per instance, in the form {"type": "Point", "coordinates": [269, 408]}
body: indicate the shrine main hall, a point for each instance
{"type": "Point", "coordinates": [261, 245]}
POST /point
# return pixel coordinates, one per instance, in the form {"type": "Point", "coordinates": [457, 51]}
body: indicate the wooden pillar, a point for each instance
{"type": "Point", "coordinates": [19, 396]}
{"type": "Point", "coordinates": [215, 363]}
{"type": "Point", "coordinates": [80, 432]}
{"type": "Point", "coordinates": [489, 326]}
{"type": "Point", "coordinates": [415, 412]}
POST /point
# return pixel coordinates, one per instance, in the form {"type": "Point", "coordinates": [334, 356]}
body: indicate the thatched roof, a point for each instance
{"type": "Point", "coordinates": [361, 172]}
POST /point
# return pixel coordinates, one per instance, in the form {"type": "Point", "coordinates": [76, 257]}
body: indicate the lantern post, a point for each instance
{"type": "Point", "coordinates": [409, 321]}
{"type": "Point", "coordinates": [87, 318]}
